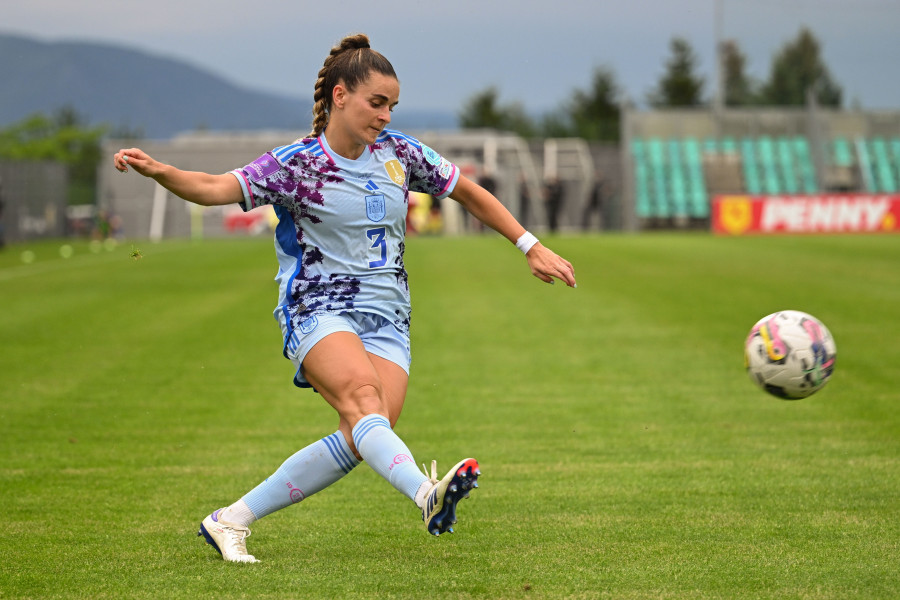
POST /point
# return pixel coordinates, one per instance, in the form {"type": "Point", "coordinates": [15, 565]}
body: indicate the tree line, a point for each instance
{"type": "Point", "coordinates": [594, 113]}
{"type": "Point", "coordinates": [63, 137]}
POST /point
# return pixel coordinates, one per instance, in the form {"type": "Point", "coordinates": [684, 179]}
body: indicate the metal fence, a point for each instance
{"type": "Point", "coordinates": [33, 197]}
{"type": "Point", "coordinates": [518, 170]}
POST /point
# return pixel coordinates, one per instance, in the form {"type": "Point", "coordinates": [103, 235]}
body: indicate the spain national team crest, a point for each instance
{"type": "Point", "coordinates": [375, 208]}
{"type": "Point", "coordinates": [309, 324]}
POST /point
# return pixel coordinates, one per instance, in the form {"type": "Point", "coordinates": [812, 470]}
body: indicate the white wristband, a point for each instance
{"type": "Point", "coordinates": [525, 242]}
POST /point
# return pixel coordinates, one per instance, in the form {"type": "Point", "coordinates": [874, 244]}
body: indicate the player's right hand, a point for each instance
{"type": "Point", "coordinates": [137, 159]}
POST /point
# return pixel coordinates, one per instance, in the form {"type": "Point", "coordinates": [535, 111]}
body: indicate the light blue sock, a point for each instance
{"type": "Point", "coordinates": [387, 454]}
{"type": "Point", "coordinates": [308, 471]}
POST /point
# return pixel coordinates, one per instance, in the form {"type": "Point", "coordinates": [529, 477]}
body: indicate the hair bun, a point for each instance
{"type": "Point", "coordinates": [355, 42]}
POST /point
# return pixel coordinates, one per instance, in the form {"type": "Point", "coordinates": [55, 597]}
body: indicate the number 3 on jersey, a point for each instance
{"type": "Point", "coordinates": [379, 243]}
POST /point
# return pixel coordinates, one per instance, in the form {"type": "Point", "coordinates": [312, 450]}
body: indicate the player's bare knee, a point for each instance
{"type": "Point", "coordinates": [365, 399]}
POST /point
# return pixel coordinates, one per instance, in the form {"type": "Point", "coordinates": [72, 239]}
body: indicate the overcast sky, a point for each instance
{"type": "Point", "coordinates": [535, 53]}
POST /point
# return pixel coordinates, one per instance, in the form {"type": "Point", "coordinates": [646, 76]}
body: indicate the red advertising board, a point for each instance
{"type": "Point", "coordinates": [829, 213]}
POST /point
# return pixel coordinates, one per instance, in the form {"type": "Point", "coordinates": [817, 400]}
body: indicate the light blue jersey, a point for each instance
{"type": "Point", "coordinates": [342, 223]}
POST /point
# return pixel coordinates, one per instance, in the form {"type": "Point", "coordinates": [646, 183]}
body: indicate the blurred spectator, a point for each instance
{"type": "Point", "coordinates": [107, 226]}
{"type": "Point", "coordinates": [595, 203]}
{"type": "Point", "coordinates": [102, 227]}
{"type": "Point", "coordinates": [524, 200]}
{"type": "Point", "coordinates": [435, 224]}
{"type": "Point", "coordinates": [488, 182]}
{"type": "Point", "coordinates": [553, 196]}
{"type": "Point", "coordinates": [411, 207]}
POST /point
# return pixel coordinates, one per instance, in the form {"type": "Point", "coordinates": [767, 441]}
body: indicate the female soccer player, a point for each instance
{"type": "Point", "coordinates": [341, 196]}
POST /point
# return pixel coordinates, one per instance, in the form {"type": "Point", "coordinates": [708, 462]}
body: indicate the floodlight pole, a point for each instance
{"type": "Point", "coordinates": [719, 96]}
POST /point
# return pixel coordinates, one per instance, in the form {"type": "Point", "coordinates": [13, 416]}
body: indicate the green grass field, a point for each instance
{"type": "Point", "coordinates": [625, 454]}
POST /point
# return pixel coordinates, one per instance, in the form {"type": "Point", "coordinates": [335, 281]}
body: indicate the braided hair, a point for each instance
{"type": "Point", "coordinates": [349, 64]}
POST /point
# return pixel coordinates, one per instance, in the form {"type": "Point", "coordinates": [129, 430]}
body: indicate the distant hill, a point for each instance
{"type": "Point", "coordinates": [130, 89]}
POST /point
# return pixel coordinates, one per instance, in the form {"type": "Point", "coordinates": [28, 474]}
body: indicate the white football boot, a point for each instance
{"type": "Point", "coordinates": [227, 538]}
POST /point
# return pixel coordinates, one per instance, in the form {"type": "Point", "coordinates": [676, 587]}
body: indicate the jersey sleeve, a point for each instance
{"type": "Point", "coordinates": [429, 172]}
{"type": "Point", "coordinates": [263, 181]}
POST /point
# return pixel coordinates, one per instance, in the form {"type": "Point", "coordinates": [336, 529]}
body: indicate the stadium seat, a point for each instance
{"type": "Point", "coordinates": [866, 165]}
{"type": "Point", "coordinates": [766, 151]}
{"type": "Point", "coordinates": [677, 180]}
{"type": "Point", "coordinates": [883, 169]}
{"type": "Point", "coordinates": [697, 203]}
{"type": "Point", "coordinates": [691, 152]}
{"type": "Point", "coordinates": [842, 153]}
{"type": "Point", "coordinates": [668, 176]}
{"type": "Point", "coordinates": [751, 169]}
{"type": "Point", "coordinates": [729, 145]}
{"type": "Point", "coordinates": [894, 146]}
{"type": "Point", "coordinates": [658, 177]}
{"type": "Point", "coordinates": [641, 179]}
{"type": "Point", "coordinates": [786, 165]}
{"type": "Point", "coordinates": [806, 171]}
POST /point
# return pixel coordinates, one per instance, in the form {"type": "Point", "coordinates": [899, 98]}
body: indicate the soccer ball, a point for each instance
{"type": "Point", "coordinates": [790, 354]}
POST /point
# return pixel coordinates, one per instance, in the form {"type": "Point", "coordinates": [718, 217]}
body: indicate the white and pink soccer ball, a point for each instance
{"type": "Point", "coordinates": [790, 354]}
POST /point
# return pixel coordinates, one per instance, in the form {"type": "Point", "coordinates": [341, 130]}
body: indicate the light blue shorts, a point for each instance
{"type": "Point", "coordinates": [379, 337]}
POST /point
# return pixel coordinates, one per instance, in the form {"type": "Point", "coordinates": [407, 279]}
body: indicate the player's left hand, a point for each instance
{"type": "Point", "coordinates": [546, 264]}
